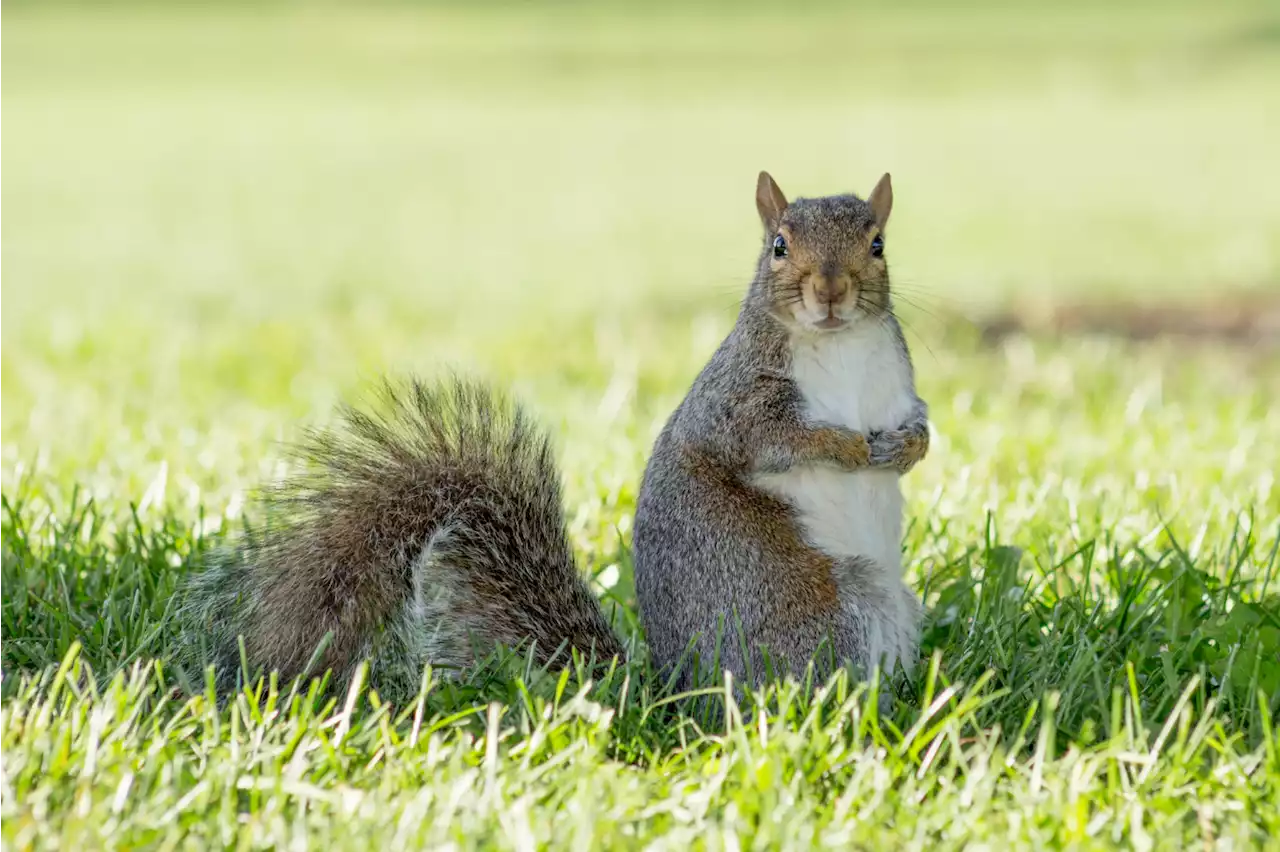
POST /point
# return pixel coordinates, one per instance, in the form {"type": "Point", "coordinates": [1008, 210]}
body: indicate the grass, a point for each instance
{"type": "Point", "coordinates": [224, 219]}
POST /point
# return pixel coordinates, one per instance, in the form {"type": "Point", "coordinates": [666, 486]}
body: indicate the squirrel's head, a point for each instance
{"type": "Point", "coordinates": [823, 265]}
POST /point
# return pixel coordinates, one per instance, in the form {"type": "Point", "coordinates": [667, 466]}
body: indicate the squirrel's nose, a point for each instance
{"type": "Point", "coordinates": [830, 289]}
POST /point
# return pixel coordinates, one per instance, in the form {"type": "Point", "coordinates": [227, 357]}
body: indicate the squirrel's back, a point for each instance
{"type": "Point", "coordinates": [430, 529]}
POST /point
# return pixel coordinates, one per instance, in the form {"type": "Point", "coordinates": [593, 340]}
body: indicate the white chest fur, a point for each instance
{"type": "Point", "coordinates": [858, 379]}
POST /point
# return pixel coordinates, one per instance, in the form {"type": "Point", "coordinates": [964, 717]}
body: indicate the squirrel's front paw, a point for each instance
{"type": "Point", "coordinates": [900, 448]}
{"type": "Point", "coordinates": [856, 450]}
{"type": "Point", "coordinates": [848, 449]}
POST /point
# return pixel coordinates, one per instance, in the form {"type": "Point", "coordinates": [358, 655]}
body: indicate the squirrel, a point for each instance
{"type": "Point", "coordinates": [769, 521]}
{"type": "Point", "coordinates": [431, 528]}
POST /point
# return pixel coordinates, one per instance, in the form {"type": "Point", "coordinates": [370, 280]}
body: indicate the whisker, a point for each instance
{"type": "Point", "coordinates": [946, 300]}
{"type": "Point", "coordinates": [919, 307]}
{"type": "Point", "coordinates": [885, 315]}
{"type": "Point", "coordinates": [906, 327]}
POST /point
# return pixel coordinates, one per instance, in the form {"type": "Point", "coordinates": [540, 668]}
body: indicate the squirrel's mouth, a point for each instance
{"type": "Point", "coordinates": [831, 323]}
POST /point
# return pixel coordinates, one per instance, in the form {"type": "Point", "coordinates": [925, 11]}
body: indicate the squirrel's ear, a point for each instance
{"type": "Point", "coordinates": [881, 201]}
{"type": "Point", "coordinates": [770, 202]}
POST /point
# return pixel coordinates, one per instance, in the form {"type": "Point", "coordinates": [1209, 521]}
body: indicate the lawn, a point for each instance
{"type": "Point", "coordinates": [222, 220]}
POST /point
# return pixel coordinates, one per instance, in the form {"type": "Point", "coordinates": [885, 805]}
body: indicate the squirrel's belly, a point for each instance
{"type": "Point", "coordinates": [845, 514]}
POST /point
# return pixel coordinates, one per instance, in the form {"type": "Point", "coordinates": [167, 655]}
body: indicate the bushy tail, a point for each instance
{"type": "Point", "coordinates": [426, 530]}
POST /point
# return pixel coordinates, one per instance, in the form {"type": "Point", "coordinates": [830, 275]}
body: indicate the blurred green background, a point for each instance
{"type": "Point", "coordinates": [222, 218]}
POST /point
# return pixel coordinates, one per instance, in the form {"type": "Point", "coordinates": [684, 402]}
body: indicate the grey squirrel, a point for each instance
{"type": "Point", "coordinates": [431, 528]}
{"type": "Point", "coordinates": [767, 527]}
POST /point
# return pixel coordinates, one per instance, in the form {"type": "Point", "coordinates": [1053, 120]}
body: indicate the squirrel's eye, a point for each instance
{"type": "Point", "coordinates": [779, 246]}
{"type": "Point", "coordinates": [877, 246]}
